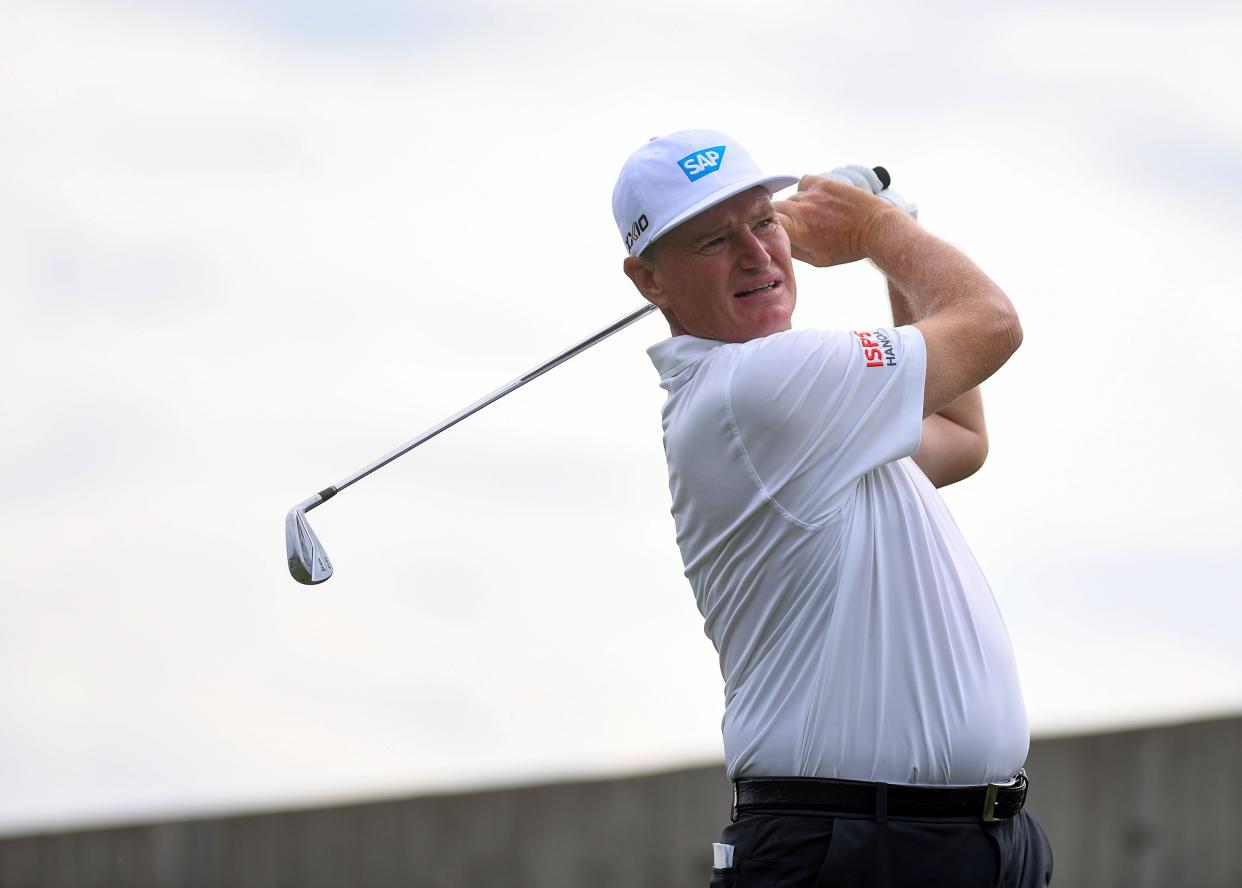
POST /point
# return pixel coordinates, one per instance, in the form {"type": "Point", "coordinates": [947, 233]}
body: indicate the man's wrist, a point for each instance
{"type": "Point", "coordinates": [886, 234]}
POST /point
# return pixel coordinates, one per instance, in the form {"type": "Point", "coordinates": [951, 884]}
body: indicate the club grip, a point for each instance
{"type": "Point", "coordinates": [880, 173]}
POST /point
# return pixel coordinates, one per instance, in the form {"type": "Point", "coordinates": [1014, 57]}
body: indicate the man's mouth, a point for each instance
{"type": "Point", "coordinates": [761, 288]}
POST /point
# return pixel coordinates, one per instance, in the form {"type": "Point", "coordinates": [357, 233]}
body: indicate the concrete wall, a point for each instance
{"type": "Point", "coordinates": [1153, 807]}
{"type": "Point", "coordinates": [1159, 806]}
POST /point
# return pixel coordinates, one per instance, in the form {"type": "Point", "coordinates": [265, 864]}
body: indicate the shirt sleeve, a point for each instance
{"type": "Point", "coordinates": [815, 410]}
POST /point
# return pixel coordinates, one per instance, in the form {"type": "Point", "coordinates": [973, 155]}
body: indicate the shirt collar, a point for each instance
{"type": "Point", "coordinates": [673, 356]}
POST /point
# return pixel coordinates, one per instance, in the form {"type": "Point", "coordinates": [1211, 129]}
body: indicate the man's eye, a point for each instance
{"type": "Point", "coordinates": [714, 242]}
{"type": "Point", "coordinates": [765, 223]}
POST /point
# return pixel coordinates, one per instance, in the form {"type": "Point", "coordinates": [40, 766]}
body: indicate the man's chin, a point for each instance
{"type": "Point", "coordinates": [779, 323]}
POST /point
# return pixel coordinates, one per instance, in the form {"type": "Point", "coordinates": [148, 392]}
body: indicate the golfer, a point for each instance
{"type": "Point", "coordinates": [874, 727]}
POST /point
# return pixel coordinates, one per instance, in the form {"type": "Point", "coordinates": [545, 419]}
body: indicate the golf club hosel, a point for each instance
{"type": "Point", "coordinates": [306, 505]}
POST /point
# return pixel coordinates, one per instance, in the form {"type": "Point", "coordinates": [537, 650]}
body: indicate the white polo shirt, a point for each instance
{"type": "Point", "coordinates": [858, 638]}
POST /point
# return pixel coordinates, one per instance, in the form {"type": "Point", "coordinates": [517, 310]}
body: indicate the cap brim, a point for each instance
{"type": "Point", "coordinates": [772, 183]}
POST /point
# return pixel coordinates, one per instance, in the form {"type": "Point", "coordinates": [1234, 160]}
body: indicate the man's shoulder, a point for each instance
{"type": "Point", "coordinates": [791, 351]}
{"type": "Point", "coordinates": [775, 378]}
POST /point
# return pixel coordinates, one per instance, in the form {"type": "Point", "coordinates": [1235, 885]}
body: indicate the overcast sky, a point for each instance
{"type": "Point", "coordinates": [247, 247]}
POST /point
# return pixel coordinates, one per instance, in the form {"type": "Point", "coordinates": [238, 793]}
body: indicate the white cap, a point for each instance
{"type": "Point", "coordinates": [674, 177]}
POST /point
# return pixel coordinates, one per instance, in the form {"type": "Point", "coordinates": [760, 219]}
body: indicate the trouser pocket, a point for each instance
{"type": "Point", "coordinates": [756, 842]}
{"type": "Point", "coordinates": [745, 874]}
{"type": "Point", "coordinates": [1026, 855]}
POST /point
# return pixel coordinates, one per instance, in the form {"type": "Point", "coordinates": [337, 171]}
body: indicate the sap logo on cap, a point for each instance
{"type": "Point", "coordinates": [699, 163]}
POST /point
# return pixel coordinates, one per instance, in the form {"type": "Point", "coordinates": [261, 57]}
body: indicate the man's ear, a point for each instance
{"type": "Point", "coordinates": [642, 273]}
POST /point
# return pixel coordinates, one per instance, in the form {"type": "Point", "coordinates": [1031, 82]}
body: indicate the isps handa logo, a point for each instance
{"type": "Point", "coordinates": [699, 163]}
{"type": "Point", "coordinates": [877, 349]}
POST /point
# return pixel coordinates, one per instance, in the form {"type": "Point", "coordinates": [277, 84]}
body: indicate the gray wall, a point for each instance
{"type": "Point", "coordinates": [1159, 806]}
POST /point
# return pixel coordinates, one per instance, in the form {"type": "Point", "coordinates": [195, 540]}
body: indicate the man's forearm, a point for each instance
{"type": "Point", "coordinates": [902, 314]}
{"type": "Point", "coordinates": [931, 276]}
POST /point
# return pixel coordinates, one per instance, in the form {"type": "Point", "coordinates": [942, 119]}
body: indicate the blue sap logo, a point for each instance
{"type": "Point", "coordinates": [702, 162]}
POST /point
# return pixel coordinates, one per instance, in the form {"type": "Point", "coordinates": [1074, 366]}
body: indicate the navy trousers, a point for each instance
{"type": "Point", "coordinates": [813, 850]}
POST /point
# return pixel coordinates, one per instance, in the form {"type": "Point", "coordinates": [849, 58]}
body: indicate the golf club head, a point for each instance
{"type": "Point", "coordinates": [308, 562]}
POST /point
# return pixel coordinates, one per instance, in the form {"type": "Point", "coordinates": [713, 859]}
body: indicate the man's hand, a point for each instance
{"type": "Point", "coordinates": [829, 219]}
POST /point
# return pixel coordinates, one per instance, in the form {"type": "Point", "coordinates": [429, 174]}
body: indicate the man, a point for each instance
{"type": "Point", "coordinates": [874, 726]}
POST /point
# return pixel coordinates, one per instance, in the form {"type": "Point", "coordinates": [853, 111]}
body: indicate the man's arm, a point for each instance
{"type": "Point", "coordinates": [955, 438]}
{"type": "Point", "coordinates": [968, 324]}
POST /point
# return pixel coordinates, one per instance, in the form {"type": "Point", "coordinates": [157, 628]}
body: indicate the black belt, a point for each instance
{"type": "Point", "coordinates": [995, 801]}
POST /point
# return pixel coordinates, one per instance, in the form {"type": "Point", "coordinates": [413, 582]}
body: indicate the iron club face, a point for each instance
{"type": "Point", "coordinates": [308, 562]}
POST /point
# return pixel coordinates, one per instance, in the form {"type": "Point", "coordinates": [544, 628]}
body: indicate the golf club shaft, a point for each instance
{"type": "Point", "coordinates": [599, 336]}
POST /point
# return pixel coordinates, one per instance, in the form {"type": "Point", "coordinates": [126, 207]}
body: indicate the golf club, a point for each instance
{"type": "Point", "coordinates": [309, 563]}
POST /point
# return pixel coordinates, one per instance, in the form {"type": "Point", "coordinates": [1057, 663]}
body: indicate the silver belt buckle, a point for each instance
{"type": "Point", "coordinates": [989, 798]}
{"type": "Point", "coordinates": [989, 803]}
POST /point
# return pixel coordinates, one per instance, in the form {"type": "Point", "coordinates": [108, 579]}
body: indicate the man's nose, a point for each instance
{"type": "Point", "coordinates": [754, 254]}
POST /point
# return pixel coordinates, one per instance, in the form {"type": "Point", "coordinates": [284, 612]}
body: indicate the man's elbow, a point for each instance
{"type": "Point", "coordinates": [1000, 334]}
{"type": "Point", "coordinates": [997, 330]}
{"type": "Point", "coordinates": [1013, 333]}
{"type": "Point", "coordinates": [969, 459]}
{"type": "Point", "coordinates": [976, 458]}
{"type": "Point", "coordinates": [950, 452]}
{"type": "Point", "coordinates": [1008, 327]}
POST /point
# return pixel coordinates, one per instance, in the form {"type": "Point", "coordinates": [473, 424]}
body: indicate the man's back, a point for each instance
{"type": "Point", "coordinates": [858, 638]}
